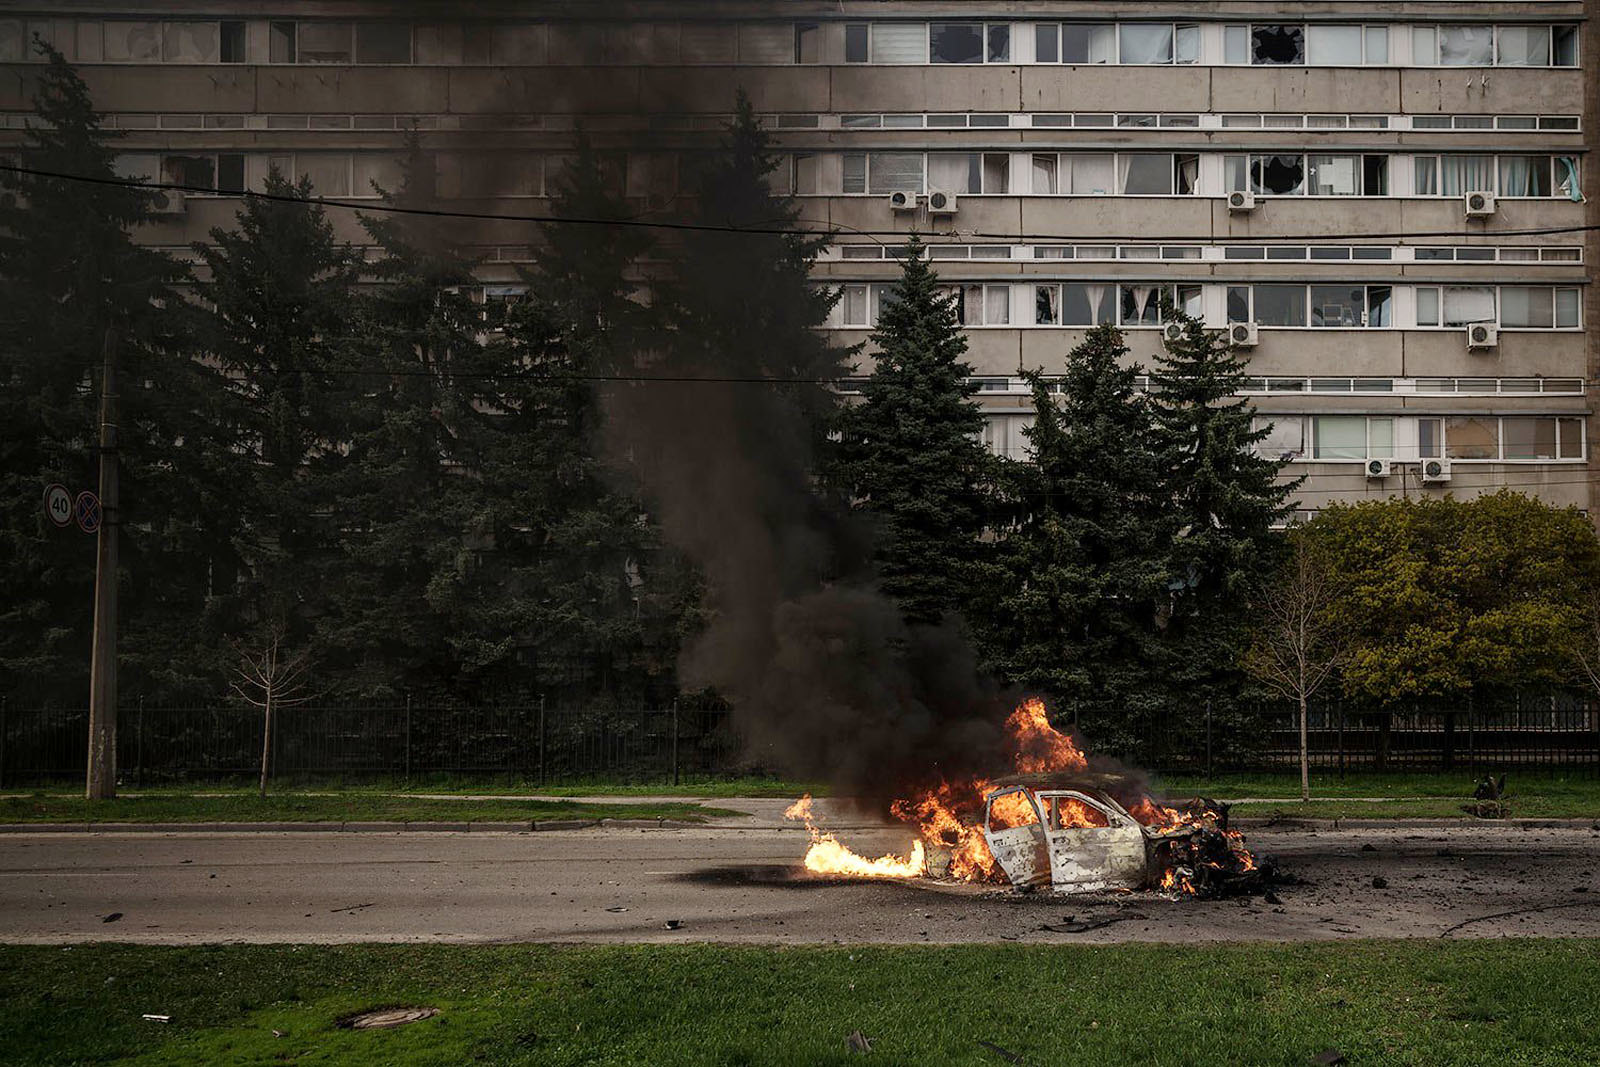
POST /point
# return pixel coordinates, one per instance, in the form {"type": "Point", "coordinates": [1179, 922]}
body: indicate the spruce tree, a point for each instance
{"type": "Point", "coordinates": [1226, 498]}
{"type": "Point", "coordinates": [911, 453]}
{"type": "Point", "coordinates": [280, 288]}
{"type": "Point", "coordinates": [1071, 605]}
{"type": "Point", "coordinates": [70, 274]}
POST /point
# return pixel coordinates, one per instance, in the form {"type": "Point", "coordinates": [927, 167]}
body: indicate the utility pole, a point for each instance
{"type": "Point", "coordinates": [102, 777]}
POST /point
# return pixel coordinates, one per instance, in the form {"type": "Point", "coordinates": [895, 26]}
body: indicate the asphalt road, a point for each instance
{"type": "Point", "coordinates": [743, 885]}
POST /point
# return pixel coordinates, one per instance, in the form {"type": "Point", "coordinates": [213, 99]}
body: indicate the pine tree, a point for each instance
{"type": "Point", "coordinates": [912, 455]}
{"type": "Point", "coordinates": [70, 274]}
{"type": "Point", "coordinates": [1226, 499]}
{"type": "Point", "coordinates": [280, 288]}
{"type": "Point", "coordinates": [1073, 600]}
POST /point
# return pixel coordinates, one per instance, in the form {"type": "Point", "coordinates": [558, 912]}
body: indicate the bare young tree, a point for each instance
{"type": "Point", "coordinates": [1586, 644]}
{"type": "Point", "coordinates": [1298, 644]}
{"type": "Point", "coordinates": [270, 677]}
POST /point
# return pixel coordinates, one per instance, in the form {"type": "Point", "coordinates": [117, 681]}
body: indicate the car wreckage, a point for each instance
{"type": "Point", "coordinates": [1072, 833]}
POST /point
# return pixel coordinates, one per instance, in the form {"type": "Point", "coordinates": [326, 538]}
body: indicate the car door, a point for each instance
{"type": "Point", "coordinates": [1092, 845]}
{"type": "Point", "coordinates": [1012, 825]}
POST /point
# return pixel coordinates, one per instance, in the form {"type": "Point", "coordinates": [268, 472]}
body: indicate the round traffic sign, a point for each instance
{"type": "Point", "coordinates": [58, 504]}
{"type": "Point", "coordinates": [87, 512]}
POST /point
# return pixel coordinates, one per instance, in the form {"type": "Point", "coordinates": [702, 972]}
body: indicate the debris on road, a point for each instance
{"type": "Point", "coordinates": [384, 1018]}
{"type": "Point", "coordinates": [113, 917]}
{"type": "Point", "coordinates": [156, 1018]}
{"type": "Point", "coordinates": [1005, 1054]}
{"type": "Point", "coordinates": [858, 1042]}
{"type": "Point", "coordinates": [674, 924]}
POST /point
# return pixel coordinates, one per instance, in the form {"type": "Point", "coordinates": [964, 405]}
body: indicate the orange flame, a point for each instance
{"type": "Point", "coordinates": [828, 855]}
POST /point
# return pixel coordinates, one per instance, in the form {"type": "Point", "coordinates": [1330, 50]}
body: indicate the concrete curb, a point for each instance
{"type": "Point", "coordinates": [1262, 822]}
{"type": "Point", "coordinates": [545, 826]}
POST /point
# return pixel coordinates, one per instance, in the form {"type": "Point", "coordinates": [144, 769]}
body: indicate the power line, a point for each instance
{"type": "Point", "coordinates": [796, 231]}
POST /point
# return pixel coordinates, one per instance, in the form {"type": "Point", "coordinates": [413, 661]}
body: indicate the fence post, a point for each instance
{"type": "Point", "coordinates": [1208, 738]}
{"type": "Point", "coordinates": [542, 739]}
{"type": "Point", "coordinates": [1341, 740]}
{"type": "Point", "coordinates": [138, 747]}
{"type": "Point", "coordinates": [674, 740]}
{"type": "Point", "coordinates": [408, 738]}
{"type": "Point", "coordinates": [4, 729]}
{"type": "Point", "coordinates": [1449, 745]}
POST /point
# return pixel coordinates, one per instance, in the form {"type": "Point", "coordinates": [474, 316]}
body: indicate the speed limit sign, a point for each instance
{"type": "Point", "coordinates": [58, 505]}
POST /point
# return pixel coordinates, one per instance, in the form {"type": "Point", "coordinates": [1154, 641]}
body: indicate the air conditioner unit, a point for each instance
{"type": "Point", "coordinates": [1380, 468]}
{"type": "Point", "coordinates": [1435, 470]}
{"type": "Point", "coordinates": [1244, 335]}
{"type": "Point", "coordinates": [1239, 200]}
{"type": "Point", "coordinates": [167, 202]}
{"type": "Point", "coordinates": [941, 203]}
{"type": "Point", "coordinates": [1482, 336]}
{"type": "Point", "coordinates": [902, 201]}
{"type": "Point", "coordinates": [1480, 204]}
{"type": "Point", "coordinates": [1173, 331]}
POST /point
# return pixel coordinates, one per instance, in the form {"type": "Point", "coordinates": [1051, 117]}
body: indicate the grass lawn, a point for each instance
{"type": "Point", "coordinates": [1525, 1002]}
{"type": "Point", "coordinates": [1531, 796]}
{"type": "Point", "coordinates": [341, 807]}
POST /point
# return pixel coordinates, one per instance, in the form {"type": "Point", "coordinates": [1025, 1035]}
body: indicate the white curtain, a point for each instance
{"type": "Point", "coordinates": [1102, 44]}
{"type": "Point", "coordinates": [1466, 46]}
{"type": "Point", "coordinates": [1044, 174]}
{"type": "Point", "coordinates": [1567, 178]}
{"type": "Point", "coordinates": [1091, 174]}
{"type": "Point", "coordinates": [1427, 176]}
{"type": "Point", "coordinates": [1187, 49]}
{"type": "Point", "coordinates": [1524, 46]}
{"type": "Point", "coordinates": [997, 305]}
{"type": "Point", "coordinates": [1465, 174]}
{"type": "Point", "coordinates": [1141, 299]}
{"type": "Point", "coordinates": [1468, 303]}
{"type": "Point", "coordinates": [951, 172]}
{"type": "Point", "coordinates": [1097, 298]}
{"type": "Point", "coordinates": [1524, 176]}
{"type": "Point", "coordinates": [1146, 44]}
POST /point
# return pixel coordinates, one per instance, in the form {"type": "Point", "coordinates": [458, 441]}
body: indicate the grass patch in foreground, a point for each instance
{"type": "Point", "coordinates": [342, 807]}
{"type": "Point", "coordinates": [1528, 1002]}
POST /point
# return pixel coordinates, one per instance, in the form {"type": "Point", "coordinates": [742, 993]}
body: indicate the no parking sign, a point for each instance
{"type": "Point", "coordinates": [87, 512]}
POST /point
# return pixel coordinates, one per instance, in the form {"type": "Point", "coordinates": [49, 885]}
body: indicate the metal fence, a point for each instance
{"type": "Point", "coordinates": [531, 742]}
{"type": "Point", "coordinates": [1547, 733]}
{"type": "Point", "coordinates": [546, 744]}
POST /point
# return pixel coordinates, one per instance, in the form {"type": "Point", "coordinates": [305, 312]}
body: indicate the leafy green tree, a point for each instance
{"type": "Point", "coordinates": [1226, 500]}
{"type": "Point", "coordinates": [1083, 572]}
{"type": "Point", "coordinates": [1443, 597]}
{"type": "Point", "coordinates": [911, 455]}
{"type": "Point", "coordinates": [70, 276]}
{"type": "Point", "coordinates": [280, 287]}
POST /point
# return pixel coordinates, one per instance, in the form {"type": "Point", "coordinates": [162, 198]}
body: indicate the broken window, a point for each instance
{"type": "Point", "coordinates": [326, 42]}
{"type": "Point", "coordinates": [1186, 173]}
{"type": "Point", "coordinates": [855, 42]}
{"type": "Point", "coordinates": [1139, 305]}
{"type": "Point", "coordinates": [191, 42]}
{"type": "Point", "coordinates": [1335, 176]}
{"type": "Point", "coordinates": [999, 44]}
{"type": "Point", "coordinates": [1145, 44]}
{"type": "Point", "coordinates": [383, 42]}
{"type": "Point", "coordinates": [1086, 43]}
{"type": "Point", "coordinates": [1277, 45]}
{"type": "Point", "coordinates": [1286, 436]}
{"type": "Point", "coordinates": [127, 42]}
{"type": "Point", "coordinates": [195, 172]}
{"type": "Point", "coordinates": [1238, 303]}
{"type": "Point", "coordinates": [1277, 175]}
{"type": "Point", "coordinates": [1466, 46]}
{"type": "Point", "coordinates": [1472, 437]}
{"type": "Point", "coordinates": [955, 42]}
{"type": "Point", "coordinates": [1047, 305]}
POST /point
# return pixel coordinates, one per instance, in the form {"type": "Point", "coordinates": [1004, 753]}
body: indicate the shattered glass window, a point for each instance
{"type": "Point", "coordinates": [1277, 45]}
{"type": "Point", "coordinates": [955, 42]}
{"type": "Point", "coordinates": [1277, 175]}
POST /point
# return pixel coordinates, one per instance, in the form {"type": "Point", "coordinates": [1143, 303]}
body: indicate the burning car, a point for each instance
{"type": "Point", "coordinates": [1070, 832]}
{"type": "Point", "coordinates": [1051, 823]}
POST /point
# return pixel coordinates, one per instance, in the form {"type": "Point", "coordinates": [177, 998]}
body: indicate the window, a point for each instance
{"type": "Point", "coordinates": [955, 42]}
{"type": "Point", "coordinates": [1564, 46]}
{"type": "Point", "coordinates": [1523, 46]}
{"type": "Point", "coordinates": [855, 42]}
{"type": "Point", "coordinates": [1146, 175]}
{"type": "Point", "coordinates": [853, 305]}
{"type": "Point", "coordinates": [233, 42]}
{"type": "Point", "coordinates": [1380, 305]}
{"type": "Point", "coordinates": [328, 172]}
{"type": "Point", "coordinates": [980, 305]}
{"type": "Point", "coordinates": [1339, 437]}
{"type": "Point", "coordinates": [1338, 305]}
{"type": "Point", "coordinates": [196, 172]}
{"type": "Point", "coordinates": [999, 44]}
{"type": "Point", "coordinates": [1277, 175]}
{"type": "Point", "coordinates": [1277, 45]}
{"type": "Point", "coordinates": [383, 42]}
{"type": "Point", "coordinates": [1466, 46]}
{"type": "Point", "coordinates": [807, 42]}
{"type": "Point", "coordinates": [1334, 46]}
{"type": "Point", "coordinates": [1142, 43]}
{"type": "Point", "coordinates": [1047, 42]}
{"type": "Point", "coordinates": [1472, 437]}
{"type": "Point", "coordinates": [1569, 433]}
{"type": "Point", "coordinates": [1280, 305]}
{"type": "Point", "coordinates": [1140, 305]}
{"type": "Point", "coordinates": [191, 42]}
{"type": "Point", "coordinates": [1084, 43]}
{"type": "Point", "coordinates": [855, 172]}
{"type": "Point", "coordinates": [1374, 175]}
{"type": "Point", "coordinates": [1236, 44]}
{"type": "Point", "coordinates": [1380, 438]}
{"type": "Point", "coordinates": [1335, 175]}
{"type": "Point", "coordinates": [325, 42]}
{"type": "Point", "coordinates": [1528, 438]}
{"type": "Point", "coordinates": [126, 42]}
{"type": "Point", "coordinates": [1524, 176]}
{"type": "Point", "coordinates": [1566, 309]}
{"type": "Point", "coordinates": [894, 42]}
{"type": "Point", "coordinates": [1046, 174]}
{"type": "Point", "coordinates": [1285, 439]}
{"type": "Point", "coordinates": [890, 172]}
{"type": "Point", "coordinates": [373, 171]}
{"type": "Point", "coordinates": [766, 44]}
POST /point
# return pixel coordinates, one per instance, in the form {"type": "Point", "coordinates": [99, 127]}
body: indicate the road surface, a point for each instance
{"type": "Point", "coordinates": [742, 884]}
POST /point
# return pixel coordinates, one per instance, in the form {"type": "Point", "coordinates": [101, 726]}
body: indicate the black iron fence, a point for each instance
{"type": "Point", "coordinates": [531, 742]}
{"type": "Point", "coordinates": [540, 744]}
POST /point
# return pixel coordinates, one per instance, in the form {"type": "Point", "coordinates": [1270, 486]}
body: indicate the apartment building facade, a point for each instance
{"type": "Point", "coordinates": [1383, 203]}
